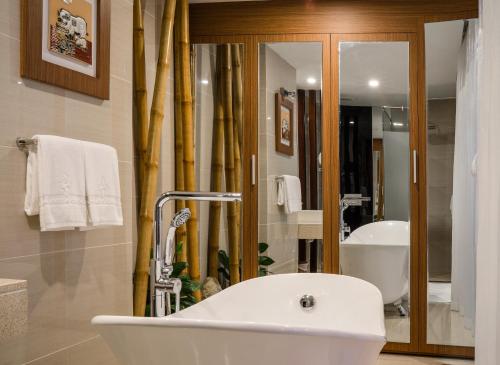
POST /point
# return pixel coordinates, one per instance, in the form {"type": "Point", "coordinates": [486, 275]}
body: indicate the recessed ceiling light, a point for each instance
{"type": "Point", "coordinates": [311, 80]}
{"type": "Point", "coordinates": [204, 82]}
{"type": "Point", "coordinates": [351, 122]}
{"type": "Point", "coordinates": [373, 83]}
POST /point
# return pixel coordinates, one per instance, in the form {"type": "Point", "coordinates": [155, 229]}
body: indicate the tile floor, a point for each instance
{"type": "Point", "coordinates": [445, 326]}
{"type": "Point", "coordinates": [386, 359]}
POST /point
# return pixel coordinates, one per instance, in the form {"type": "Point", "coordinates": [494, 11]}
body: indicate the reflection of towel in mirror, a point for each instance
{"type": "Point", "coordinates": [289, 193]}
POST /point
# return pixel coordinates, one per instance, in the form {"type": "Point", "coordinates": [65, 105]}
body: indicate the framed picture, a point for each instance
{"type": "Point", "coordinates": [284, 123]}
{"type": "Point", "coordinates": [66, 43]}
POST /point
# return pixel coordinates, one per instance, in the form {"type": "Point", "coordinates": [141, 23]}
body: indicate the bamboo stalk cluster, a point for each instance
{"type": "Point", "coordinates": [226, 144]}
{"type": "Point", "coordinates": [149, 162]}
{"type": "Point", "coordinates": [226, 152]}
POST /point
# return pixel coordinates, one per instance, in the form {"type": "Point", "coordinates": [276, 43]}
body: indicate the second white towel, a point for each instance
{"type": "Point", "coordinates": [102, 185]}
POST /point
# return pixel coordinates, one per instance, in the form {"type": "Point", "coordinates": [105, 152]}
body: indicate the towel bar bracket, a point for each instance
{"type": "Point", "coordinates": [23, 143]}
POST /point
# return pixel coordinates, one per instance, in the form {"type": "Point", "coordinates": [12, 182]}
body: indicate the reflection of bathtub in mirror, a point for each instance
{"type": "Point", "coordinates": [378, 253]}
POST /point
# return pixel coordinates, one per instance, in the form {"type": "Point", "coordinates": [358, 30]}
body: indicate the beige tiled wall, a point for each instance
{"type": "Point", "coordinates": [440, 148]}
{"type": "Point", "coordinates": [71, 276]}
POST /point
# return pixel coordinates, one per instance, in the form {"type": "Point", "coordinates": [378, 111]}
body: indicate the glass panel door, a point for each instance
{"type": "Point", "coordinates": [290, 226]}
{"type": "Point", "coordinates": [219, 121]}
{"type": "Point", "coordinates": [374, 156]}
{"type": "Point", "coordinates": [451, 70]}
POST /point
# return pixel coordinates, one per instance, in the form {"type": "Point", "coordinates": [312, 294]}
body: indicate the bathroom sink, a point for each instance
{"type": "Point", "coordinates": [306, 217]}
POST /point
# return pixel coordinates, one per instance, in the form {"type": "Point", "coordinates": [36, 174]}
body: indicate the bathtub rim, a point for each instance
{"type": "Point", "coordinates": [187, 323]}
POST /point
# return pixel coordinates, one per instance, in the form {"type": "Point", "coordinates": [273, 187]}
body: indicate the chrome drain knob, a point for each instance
{"type": "Point", "coordinates": [307, 301]}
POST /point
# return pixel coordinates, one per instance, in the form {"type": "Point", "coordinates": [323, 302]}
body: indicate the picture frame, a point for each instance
{"type": "Point", "coordinates": [284, 121]}
{"type": "Point", "coordinates": [67, 43]}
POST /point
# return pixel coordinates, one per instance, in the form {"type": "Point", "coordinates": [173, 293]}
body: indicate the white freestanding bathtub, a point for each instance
{"type": "Point", "coordinates": [260, 322]}
{"type": "Point", "coordinates": [378, 252]}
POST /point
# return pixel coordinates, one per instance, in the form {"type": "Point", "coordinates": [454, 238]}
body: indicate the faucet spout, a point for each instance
{"type": "Point", "coordinates": [161, 284]}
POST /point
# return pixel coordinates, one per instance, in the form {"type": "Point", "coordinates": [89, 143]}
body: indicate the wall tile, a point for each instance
{"type": "Point", "coordinates": [121, 39]}
{"type": "Point", "coordinates": [79, 354]}
{"type": "Point", "coordinates": [10, 90]}
{"type": "Point", "coordinates": [97, 282]}
{"type": "Point", "coordinates": [10, 18]}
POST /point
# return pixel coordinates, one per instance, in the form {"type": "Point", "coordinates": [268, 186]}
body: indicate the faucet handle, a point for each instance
{"type": "Point", "coordinates": [167, 270]}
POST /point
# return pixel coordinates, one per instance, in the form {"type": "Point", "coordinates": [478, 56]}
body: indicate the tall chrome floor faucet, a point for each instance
{"type": "Point", "coordinates": [161, 285]}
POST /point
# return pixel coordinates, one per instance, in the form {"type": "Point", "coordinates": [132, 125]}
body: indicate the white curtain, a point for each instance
{"type": "Point", "coordinates": [464, 179]}
{"type": "Point", "coordinates": [488, 188]}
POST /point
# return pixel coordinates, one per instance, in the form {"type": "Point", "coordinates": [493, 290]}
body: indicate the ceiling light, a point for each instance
{"type": "Point", "coordinates": [351, 122]}
{"type": "Point", "coordinates": [373, 83]}
{"type": "Point", "coordinates": [397, 124]}
{"type": "Point", "coordinates": [311, 80]}
{"type": "Point", "coordinates": [204, 82]}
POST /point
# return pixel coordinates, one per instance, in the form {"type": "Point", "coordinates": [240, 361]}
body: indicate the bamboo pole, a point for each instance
{"type": "Point", "coordinates": [188, 142]}
{"type": "Point", "coordinates": [140, 88]}
{"type": "Point", "coordinates": [181, 233]}
{"type": "Point", "coordinates": [233, 234]}
{"type": "Point", "coordinates": [141, 279]}
{"type": "Point", "coordinates": [237, 51]}
{"type": "Point", "coordinates": [238, 120]}
{"type": "Point", "coordinates": [216, 169]}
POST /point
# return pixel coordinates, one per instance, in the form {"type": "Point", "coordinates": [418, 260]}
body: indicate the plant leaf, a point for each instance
{"type": "Point", "coordinates": [265, 260]}
{"type": "Point", "coordinates": [178, 268]}
{"type": "Point", "coordinates": [263, 247]}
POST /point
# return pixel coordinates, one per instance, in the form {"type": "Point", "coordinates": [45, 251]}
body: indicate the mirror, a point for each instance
{"type": "Point", "coordinates": [290, 107]}
{"type": "Point", "coordinates": [218, 114]}
{"type": "Point", "coordinates": [374, 173]}
{"type": "Point", "coordinates": [451, 72]}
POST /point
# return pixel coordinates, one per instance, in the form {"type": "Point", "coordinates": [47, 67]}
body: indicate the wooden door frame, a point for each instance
{"type": "Point", "coordinates": [223, 30]}
{"type": "Point", "coordinates": [425, 347]}
{"type": "Point", "coordinates": [413, 345]}
{"type": "Point", "coordinates": [330, 251]}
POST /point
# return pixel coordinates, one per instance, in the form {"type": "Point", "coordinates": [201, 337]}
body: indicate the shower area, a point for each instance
{"type": "Point", "coordinates": [451, 64]}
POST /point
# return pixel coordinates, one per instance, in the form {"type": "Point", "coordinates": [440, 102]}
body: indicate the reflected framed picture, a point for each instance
{"type": "Point", "coordinates": [283, 123]}
{"type": "Point", "coordinates": [66, 43]}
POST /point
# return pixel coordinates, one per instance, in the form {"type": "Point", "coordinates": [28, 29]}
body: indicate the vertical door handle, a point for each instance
{"type": "Point", "coordinates": [414, 166]}
{"type": "Point", "coordinates": [253, 172]}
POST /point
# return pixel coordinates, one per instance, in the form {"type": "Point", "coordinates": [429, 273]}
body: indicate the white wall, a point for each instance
{"type": "Point", "coordinates": [488, 238]}
{"type": "Point", "coordinates": [275, 72]}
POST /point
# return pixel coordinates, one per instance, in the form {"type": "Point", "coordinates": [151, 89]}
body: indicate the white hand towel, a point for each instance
{"type": "Point", "coordinates": [102, 183]}
{"type": "Point", "coordinates": [289, 193]}
{"type": "Point", "coordinates": [55, 183]}
{"type": "Point", "coordinates": [32, 198]}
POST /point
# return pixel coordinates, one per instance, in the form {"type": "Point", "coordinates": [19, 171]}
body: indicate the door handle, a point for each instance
{"type": "Point", "coordinates": [253, 172]}
{"type": "Point", "coordinates": [414, 166]}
